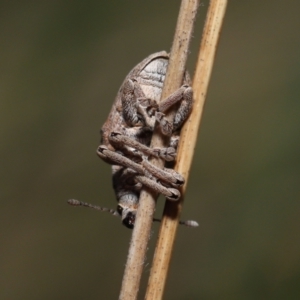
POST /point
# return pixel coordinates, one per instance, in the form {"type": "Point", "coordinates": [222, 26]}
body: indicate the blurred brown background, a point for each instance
{"type": "Point", "coordinates": [62, 63]}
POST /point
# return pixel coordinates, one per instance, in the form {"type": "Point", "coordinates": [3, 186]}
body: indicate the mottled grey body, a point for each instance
{"type": "Point", "coordinates": [127, 132]}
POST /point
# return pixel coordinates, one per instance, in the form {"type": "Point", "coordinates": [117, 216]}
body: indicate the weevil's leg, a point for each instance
{"type": "Point", "coordinates": [165, 125]}
{"type": "Point", "coordinates": [147, 107]}
{"type": "Point", "coordinates": [119, 159]}
{"type": "Point", "coordinates": [174, 140]}
{"type": "Point", "coordinates": [184, 109]}
{"type": "Point", "coordinates": [167, 154]}
{"type": "Point", "coordinates": [132, 98]}
{"type": "Point", "coordinates": [183, 94]}
{"type": "Point", "coordinates": [128, 97]}
{"type": "Point", "coordinates": [106, 158]}
{"type": "Point", "coordinates": [170, 193]}
{"type": "Point", "coordinates": [150, 104]}
{"type": "Point", "coordinates": [169, 176]}
{"type": "Point", "coordinates": [175, 97]}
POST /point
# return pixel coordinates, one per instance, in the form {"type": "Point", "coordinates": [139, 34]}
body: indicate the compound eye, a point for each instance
{"type": "Point", "coordinates": [120, 209]}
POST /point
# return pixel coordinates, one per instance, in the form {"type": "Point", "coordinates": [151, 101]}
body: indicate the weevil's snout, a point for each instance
{"type": "Point", "coordinates": [129, 220]}
{"type": "Point", "coordinates": [127, 215]}
{"type": "Point", "coordinates": [127, 207]}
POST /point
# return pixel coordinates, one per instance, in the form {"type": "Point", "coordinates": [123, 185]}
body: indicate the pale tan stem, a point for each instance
{"type": "Point", "coordinates": [144, 218]}
{"type": "Point", "coordinates": [188, 139]}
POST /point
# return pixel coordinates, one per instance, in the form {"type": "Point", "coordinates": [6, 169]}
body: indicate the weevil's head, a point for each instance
{"type": "Point", "coordinates": [127, 208]}
{"type": "Point", "coordinates": [127, 215]}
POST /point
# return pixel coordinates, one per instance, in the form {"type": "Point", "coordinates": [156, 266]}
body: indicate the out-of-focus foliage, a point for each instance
{"type": "Point", "coordinates": [61, 65]}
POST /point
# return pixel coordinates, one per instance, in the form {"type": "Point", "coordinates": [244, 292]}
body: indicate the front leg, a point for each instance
{"type": "Point", "coordinates": [169, 193]}
{"type": "Point", "coordinates": [118, 159]}
{"type": "Point", "coordinates": [169, 176]}
{"type": "Point", "coordinates": [168, 154]}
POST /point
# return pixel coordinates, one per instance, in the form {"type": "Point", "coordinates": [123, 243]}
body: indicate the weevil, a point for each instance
{"type": "Point", "coordinates": [127, 133]}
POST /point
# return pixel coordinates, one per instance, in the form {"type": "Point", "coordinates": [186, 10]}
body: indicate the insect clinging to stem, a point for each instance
{"type": "Point", "coordinates": [127, 133]}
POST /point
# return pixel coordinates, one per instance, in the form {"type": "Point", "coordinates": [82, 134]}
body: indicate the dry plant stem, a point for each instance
{"type": "Point", "coordinates": [143, 223]}
{"type": "Point", "coordinates": [188, 139]}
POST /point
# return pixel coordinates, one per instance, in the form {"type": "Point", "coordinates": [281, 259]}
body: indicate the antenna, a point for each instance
{"type": "Point", "coordinates": [188, 223]}
{"type": "Point", "coordinates": [74, 202]}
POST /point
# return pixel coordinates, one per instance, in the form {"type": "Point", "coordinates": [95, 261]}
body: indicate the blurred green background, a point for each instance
{"type": "Point", "coordinates": [62, 63]}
